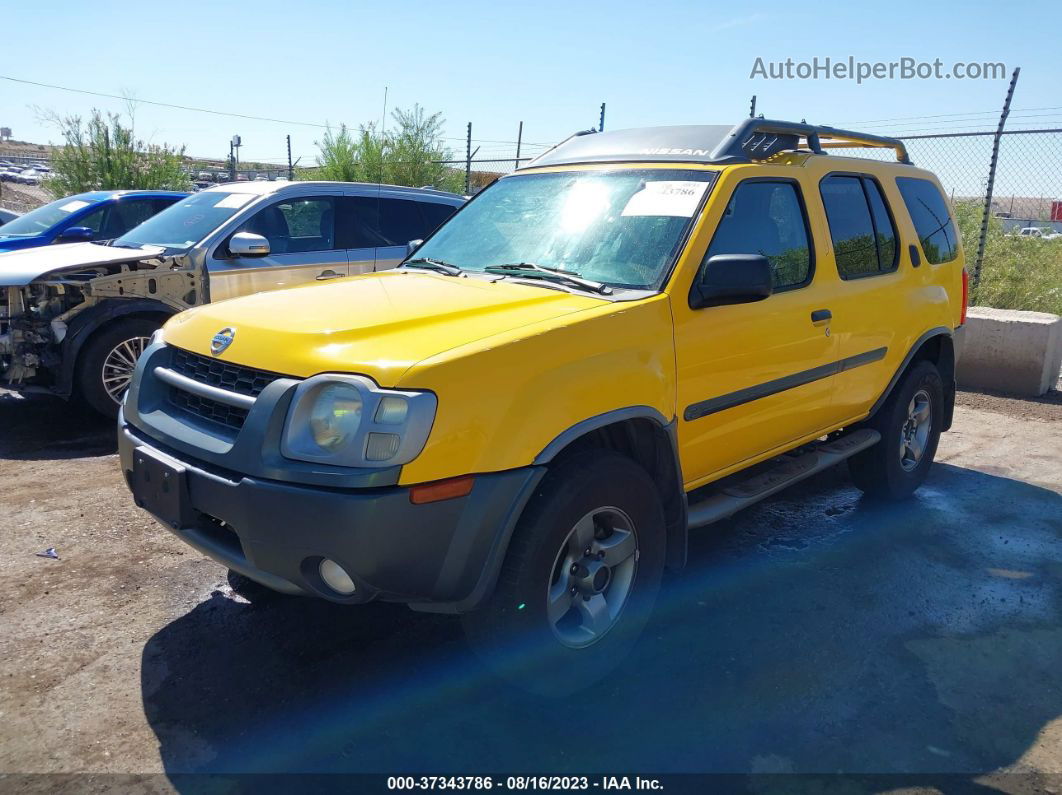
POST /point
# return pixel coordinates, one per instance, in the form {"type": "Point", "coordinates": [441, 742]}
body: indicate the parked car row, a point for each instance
{"type": "Point", "coordinates": [74, 317]}
{"type": "Point", "coordinates": [24, 176]}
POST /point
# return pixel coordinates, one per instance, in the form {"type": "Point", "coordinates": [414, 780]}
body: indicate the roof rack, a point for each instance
{"type": "Point", "coordinates": [751, 140]}
{"type": "Point", "coordinates": [759, 139]}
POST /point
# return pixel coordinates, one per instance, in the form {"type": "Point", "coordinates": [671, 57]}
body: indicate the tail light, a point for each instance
{"type": "Point", "coordinates": [965, 295]}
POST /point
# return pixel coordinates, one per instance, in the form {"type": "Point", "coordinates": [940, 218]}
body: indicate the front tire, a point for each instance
{"type": "Point", "coordinates": [580, 578]}
{"type": "Point", "coordinates": [105, 367]}
{"type": "Point", "coordinates": [909, 423]}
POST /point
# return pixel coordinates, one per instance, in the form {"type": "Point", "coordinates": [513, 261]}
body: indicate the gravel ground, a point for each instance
{"type": "Point", "coordinates": [814, 633]}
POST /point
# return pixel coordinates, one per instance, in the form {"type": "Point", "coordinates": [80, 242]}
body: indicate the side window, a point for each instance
{"type": "Point", "coordinates": [932, 221]}
{"type": "Point", "coordinates": [400, 221]}
{"type": "Point", "coordinates": [126, 214]}
{"type": "Point", "coordinates": [864, 240]}
{"type": "Point", "coordinates": [360, 223]}
{"type": "Point", "coordinates": [435, 213]}
{"type": "Point", "coordinates": [94, 221]}
{"type": "Point", "coordinates": [767, 218]}
{"type": "Point", "coordinates": [296, 225]}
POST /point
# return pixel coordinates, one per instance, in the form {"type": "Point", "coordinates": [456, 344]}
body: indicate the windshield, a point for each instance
{"type": "Point", "coordinates": [185, 223]}
{"type": "Point", "coordinates": [621, 227]}
{"type": "Point", "coordinates": [43, 218]}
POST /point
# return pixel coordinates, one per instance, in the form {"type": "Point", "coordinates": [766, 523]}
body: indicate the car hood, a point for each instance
{"type": "Point", "coordinates": [19, 268]}
{"type": "Point", "coordinates": [379, 324]}
{"type": "Point", "coordinates": [16, 243]}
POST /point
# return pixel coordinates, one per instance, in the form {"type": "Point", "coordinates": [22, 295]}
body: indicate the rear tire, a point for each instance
{"type": "Point", "coordinates": [106, 364]}
{"type": "Point", "coordinates": [561, 619]}
{"type": "Point", "coordinates": [909, 423]}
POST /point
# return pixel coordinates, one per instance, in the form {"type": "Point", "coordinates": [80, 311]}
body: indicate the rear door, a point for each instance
{"type": "Point", "coordinates": [303, 247]}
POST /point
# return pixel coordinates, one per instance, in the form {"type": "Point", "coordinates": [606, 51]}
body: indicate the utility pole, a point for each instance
{"type": "Point", "coordinates": [234, 151]}
{"type": "Point", "coordinates": [383, 118]}
{"type": "Point", "coordinates": [752, 107]}
{"type": "Point", "coordinates": [519, 138]}
{"type": "Point", "coordinates": [992, 176]}
{"type": "Point", "coordinates": [601, 123]}
{"type": "Point", "coordinates": [291, 169]}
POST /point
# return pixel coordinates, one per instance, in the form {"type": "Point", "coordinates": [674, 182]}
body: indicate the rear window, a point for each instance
{"type": "Point", "coordinates": [932, 220]}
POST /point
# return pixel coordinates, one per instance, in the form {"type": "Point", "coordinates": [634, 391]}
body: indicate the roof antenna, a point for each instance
{"type": "Point", "coordinates": [752, 107]}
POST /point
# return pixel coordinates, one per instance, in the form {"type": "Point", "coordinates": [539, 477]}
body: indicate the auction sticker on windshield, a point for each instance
{"type": "Point", "coordinates": [73, 206]}
{"type": "Point", "coordinates": [235, 200]}
{"type": "Point", "coordinates": [667, 197]}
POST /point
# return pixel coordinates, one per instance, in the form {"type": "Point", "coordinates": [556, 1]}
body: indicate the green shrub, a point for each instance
{"type": "Point", "coordinates": [408, 154]}
{"type": "Point", "coordinates": [1017, 272]}
{"type": "Point", "coordinates": [104, 154]}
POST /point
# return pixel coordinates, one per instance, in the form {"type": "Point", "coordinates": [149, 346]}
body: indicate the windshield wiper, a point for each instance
{"type": "Point", "coordinates": [433, 265]}
{"type": "Point", "coordinates": [532, 271]}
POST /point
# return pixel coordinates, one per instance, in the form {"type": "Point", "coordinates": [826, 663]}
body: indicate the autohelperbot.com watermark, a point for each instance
{"type": "Point", "coordinates": [850, 68]}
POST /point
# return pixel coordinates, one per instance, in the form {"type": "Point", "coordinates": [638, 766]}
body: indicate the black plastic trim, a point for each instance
{"type": "Point", "coordinates": [906, 361]}
{"type": "Point", "coordinates": [696, 411]}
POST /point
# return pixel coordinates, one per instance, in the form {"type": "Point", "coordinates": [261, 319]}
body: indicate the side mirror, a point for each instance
{"type": "Point", "coordinates": [732, 279]}
{"type": "Point", "coordinates": [412, 246]}
{"type": "Point", "coordinates": [248, 244]}
{"type": "Point", "coordinates": [74, 234]}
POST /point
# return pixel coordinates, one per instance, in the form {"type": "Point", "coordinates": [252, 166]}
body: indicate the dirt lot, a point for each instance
{"type": "Point", "coordinates": [816, 632]}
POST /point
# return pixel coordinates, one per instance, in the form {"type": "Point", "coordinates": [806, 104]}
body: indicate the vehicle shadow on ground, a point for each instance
{"type": "Point", "coordinates": [41, 427]}
{"type": "Point", "coordinates": [818, 632]}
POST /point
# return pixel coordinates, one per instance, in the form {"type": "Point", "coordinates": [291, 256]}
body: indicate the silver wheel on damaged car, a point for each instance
{"type": "Point", "coordinates": [592, 577]}
{"type": "Point", "coordinates": [119, 364]}
{"type": "Point", "coordinates": [914, 434]}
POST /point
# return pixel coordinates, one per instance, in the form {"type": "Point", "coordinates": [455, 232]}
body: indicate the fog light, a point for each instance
{"type": "Point", "coordinates": [382, 446]}
{"type": "Point", "coordinates": [335, 578]}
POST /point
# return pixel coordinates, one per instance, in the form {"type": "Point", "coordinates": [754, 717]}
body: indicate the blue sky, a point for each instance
{"type": "Point", "coordinates": [549, 64]}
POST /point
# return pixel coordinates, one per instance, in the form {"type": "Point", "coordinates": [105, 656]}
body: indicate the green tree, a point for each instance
{"type": "Point", "coordinates": [408, 154]}
{"type": "Point", "coordinates": [105, 154]}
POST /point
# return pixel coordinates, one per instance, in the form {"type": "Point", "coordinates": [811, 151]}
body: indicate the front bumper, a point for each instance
{"type": "Point", "coordinates": [442, 556]}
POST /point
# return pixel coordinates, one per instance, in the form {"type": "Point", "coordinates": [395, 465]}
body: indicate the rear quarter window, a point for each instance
{"type": "Point", "coordinates": [931, 217]}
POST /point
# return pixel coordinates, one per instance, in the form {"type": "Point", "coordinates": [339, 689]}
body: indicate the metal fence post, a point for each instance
{"type": "Point", "coordinates": [992, 177]}
{"type": "Point", "coordinates": [468, 161]}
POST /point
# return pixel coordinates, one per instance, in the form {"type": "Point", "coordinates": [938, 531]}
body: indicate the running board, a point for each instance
{"type": "Point", "coordinates": [734, 496]}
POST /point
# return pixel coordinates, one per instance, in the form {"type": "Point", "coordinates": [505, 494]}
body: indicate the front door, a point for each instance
{"type": "Point", "coordinates": [302, 248]}
{"type": "Point", "coordinates": [753, 377]}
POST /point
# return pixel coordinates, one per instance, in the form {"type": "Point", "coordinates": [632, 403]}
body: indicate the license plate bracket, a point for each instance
{"type": "Point", "coordinates": [160, 487]}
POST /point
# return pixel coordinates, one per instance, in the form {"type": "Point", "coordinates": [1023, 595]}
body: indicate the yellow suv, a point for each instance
{"type": "Point", "coordinates": [641, 332]}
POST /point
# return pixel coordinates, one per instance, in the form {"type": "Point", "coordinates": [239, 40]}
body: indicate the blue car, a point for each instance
{"type": "Point", "coordinates": [94, 216]}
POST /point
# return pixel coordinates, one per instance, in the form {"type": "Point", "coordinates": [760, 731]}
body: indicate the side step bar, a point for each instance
{"type": "Point", "coordinates": [735, 496]}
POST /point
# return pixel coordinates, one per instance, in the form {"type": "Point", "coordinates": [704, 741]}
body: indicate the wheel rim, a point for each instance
{"type": "Point", "coordinates": [914, 434]}
{"type": "Point", "coordinates": [592, 577]}
{"type": "Point", "coordinates": [119, 364]}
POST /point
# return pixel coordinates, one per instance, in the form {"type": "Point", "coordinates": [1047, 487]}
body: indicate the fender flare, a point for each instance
{"type": "Point", "coordinates": [85, 324]}
{"type": "Point", "coordinates": [677, 526]}
{"type": "Point", "coordinates": [915, 348]}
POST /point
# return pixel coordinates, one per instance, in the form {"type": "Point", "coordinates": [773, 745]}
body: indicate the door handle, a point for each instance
{"type": "Point", "coordinates": [328, 274]}
{"type": "Point", "coordinates": [820, 316]}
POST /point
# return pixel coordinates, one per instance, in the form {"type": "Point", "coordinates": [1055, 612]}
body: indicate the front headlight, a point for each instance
{"type": "Point", "coordinates": [347, 420]}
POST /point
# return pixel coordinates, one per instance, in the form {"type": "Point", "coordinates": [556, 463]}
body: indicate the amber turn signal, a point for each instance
{"type": "Point", "coordinates": [441, 490]}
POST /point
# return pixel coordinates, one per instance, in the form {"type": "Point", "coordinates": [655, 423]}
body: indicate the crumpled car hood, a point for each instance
{"type": "Point", "coordinates": [19, 268]}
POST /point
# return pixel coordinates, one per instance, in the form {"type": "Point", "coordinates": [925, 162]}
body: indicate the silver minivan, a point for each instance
{"type": "Point", "coordinates": [74, 318]}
